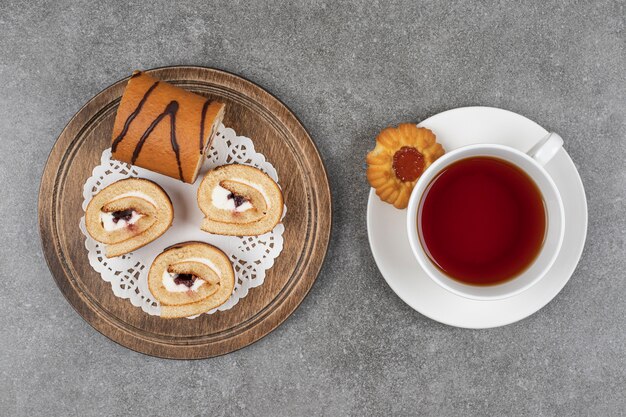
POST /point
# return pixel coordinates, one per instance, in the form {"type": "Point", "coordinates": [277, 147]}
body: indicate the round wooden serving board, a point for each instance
{"type": "Point", "coordinates": [277, 133]}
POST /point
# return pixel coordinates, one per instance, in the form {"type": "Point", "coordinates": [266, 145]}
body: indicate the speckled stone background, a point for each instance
{"type": "Point", "coordinates": [347, 70]}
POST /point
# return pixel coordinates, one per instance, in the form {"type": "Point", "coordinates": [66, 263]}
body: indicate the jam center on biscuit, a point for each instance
{"type": "Point", "coordinates": [185, 279]}
{"type": "Point", "coordinates": [408, 163]}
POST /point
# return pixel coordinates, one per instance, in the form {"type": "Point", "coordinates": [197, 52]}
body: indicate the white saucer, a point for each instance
{"type": "Point", "coordinates": [387, 234]}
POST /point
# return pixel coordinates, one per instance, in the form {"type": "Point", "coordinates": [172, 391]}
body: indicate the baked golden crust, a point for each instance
{"type": "Point", "coordinates": [401, 155]}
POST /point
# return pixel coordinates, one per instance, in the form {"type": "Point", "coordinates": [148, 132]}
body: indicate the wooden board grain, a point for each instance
{"type": "Point", "coordinates": [277, 133]}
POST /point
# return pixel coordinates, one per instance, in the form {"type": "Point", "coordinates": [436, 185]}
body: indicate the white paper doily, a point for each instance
{"type": "Point", "coordinates": [251, 255]}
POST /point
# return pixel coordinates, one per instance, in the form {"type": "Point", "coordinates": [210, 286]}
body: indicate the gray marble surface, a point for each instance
{"type": "Point", "coordinates": [347, 71]}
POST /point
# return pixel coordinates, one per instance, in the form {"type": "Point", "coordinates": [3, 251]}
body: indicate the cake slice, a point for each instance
{"type": "Point", "coordinates": [128, 214]}
{"type": "Point", "coordinates": [191, 278]}
{"type": "Point", "coordinates": [239, 200]}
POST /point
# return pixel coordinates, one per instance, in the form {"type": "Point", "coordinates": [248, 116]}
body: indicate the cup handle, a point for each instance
{"type": "Point", "coordinates": [546, 148]}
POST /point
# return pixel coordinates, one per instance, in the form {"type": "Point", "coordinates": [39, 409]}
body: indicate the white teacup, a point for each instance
{"type": "Point", "coordinates": [531, 163]}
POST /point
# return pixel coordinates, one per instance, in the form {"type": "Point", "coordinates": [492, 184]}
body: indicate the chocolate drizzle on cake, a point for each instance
{"type": "Point", "coordinates": [132, 116]}
{"type": "Point", "coordinates": [170, 110]}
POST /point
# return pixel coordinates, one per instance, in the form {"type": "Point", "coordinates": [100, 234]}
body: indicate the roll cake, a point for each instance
{"type": "Point", "coordinates": [128, 214]}
{"type": "Point", "coordinates": [239, 200]}
{"type": "Point", "coordinates": [191, 278]}
{"type": "Point", "coordinates": [164, 128]}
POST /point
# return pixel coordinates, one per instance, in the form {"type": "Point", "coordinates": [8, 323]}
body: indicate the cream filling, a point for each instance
{"type": "Point", "coordinates": [219, 198]}
{"type": "Point", "coordinates": [172, 286]}
{"type": "Point", "coordinates": [107, 218]}
{"type": "Point", "coordinates": [110, 225]}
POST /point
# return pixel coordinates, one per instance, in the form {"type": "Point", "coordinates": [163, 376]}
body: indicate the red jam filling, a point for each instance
{"type": "Point", "coordinates": [408, 163]}
{"type": "Point", "coordinates": [239, 200]}
{"type": "Point", "coordinates": [122, 215]}
{"type": "Point", "coordinates": [185, 279]}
